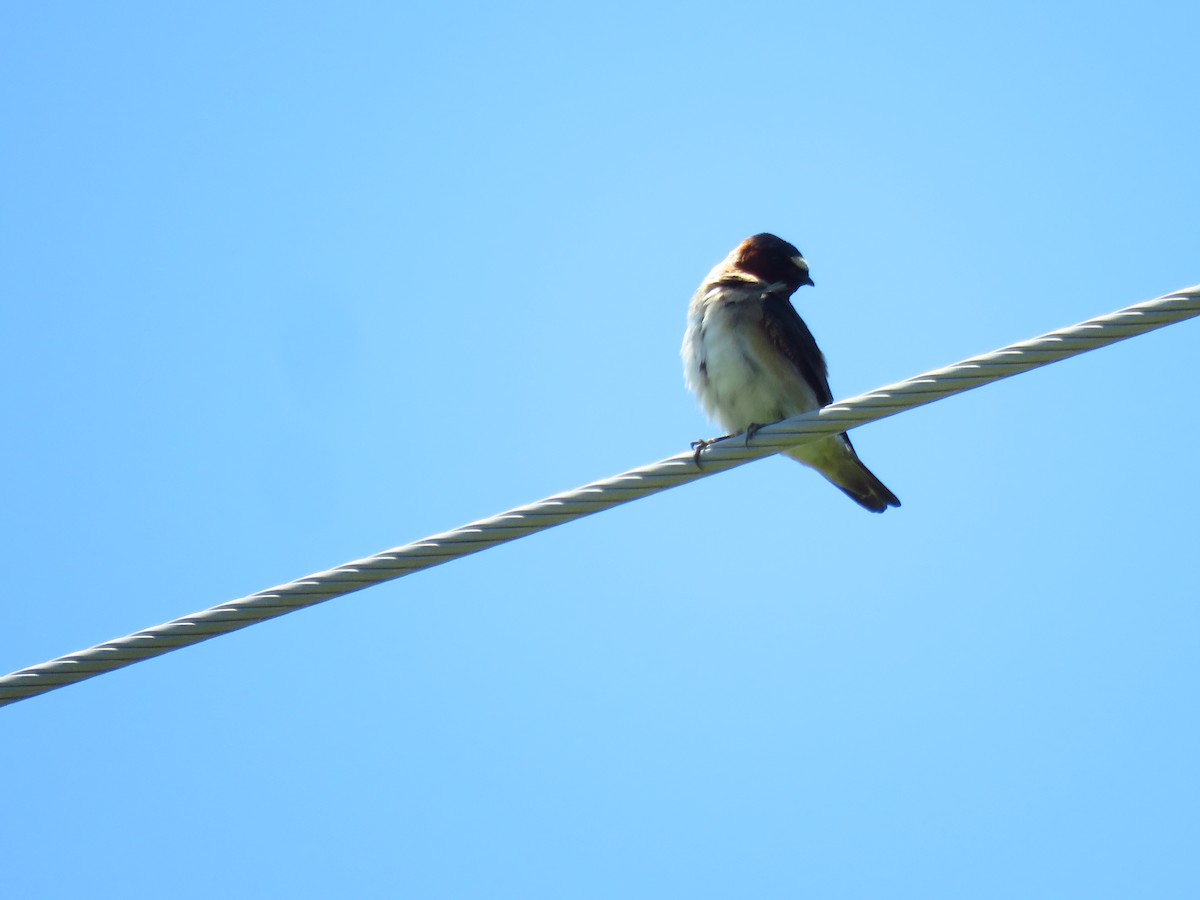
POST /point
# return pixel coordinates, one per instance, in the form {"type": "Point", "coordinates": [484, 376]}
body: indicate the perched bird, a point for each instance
{"type": "Point", "coordinates": [750, 359]}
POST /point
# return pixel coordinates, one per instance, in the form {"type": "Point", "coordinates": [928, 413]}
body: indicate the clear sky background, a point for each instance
{"type": "Point", "coordinates": [288, 284]}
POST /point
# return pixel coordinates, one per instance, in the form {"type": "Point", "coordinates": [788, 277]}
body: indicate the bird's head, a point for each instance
{"type": "Point", "coordinates": [771, 260]}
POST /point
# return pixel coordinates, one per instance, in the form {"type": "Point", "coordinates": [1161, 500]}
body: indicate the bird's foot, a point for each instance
{"type": "Point", "coordinates": [751, 432]}
{"type": "Point", "coordinates": [700, 446]}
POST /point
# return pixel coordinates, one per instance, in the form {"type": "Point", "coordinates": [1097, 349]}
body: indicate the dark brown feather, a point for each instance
{"type": "Point", "coordinates": [789, 333]}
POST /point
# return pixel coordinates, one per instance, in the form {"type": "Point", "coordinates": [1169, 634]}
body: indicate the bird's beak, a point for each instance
{"type": "Point", "coordinates": [809, 281]}
{"type": "Point", "coordinates": [802, 265]}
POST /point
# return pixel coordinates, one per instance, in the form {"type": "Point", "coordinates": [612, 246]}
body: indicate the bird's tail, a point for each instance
{"type": "Point", "coordinates": [834, 457]}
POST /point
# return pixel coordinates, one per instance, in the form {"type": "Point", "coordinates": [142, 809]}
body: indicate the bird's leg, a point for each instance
{"type": "Point", "coordinates": [751, 432]}
{"type": "Point", "coordinates": [701, 446]}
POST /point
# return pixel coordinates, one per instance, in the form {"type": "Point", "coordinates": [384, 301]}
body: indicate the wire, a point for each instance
{"type": "Point", "coordinates": [600, 495]}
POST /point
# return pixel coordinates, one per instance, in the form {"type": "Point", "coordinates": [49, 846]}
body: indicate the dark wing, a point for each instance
{"type": "Point", "coordinates": [789, 333]}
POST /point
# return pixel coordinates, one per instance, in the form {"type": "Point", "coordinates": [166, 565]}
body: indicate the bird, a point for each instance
{"type": "Point", "coordinates": [750, 360]}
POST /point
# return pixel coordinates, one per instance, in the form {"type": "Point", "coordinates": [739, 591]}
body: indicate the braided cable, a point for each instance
{"type": "Point", "coordinates": [600, 495]}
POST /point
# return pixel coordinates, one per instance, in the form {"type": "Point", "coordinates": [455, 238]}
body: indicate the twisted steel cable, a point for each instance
{"type": "Point", "coordinates": [600, 495]}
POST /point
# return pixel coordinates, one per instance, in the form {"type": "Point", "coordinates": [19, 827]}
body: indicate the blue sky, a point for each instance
{"type": "Point", "coordinates": [286, 285]}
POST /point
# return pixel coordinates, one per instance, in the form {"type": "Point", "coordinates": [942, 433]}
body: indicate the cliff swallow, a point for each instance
{"type": "Point", "coordinates": [750, 359]}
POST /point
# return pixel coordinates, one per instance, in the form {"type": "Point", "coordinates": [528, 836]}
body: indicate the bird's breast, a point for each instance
{"type": "Point", "coordinates": [740, 377]}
